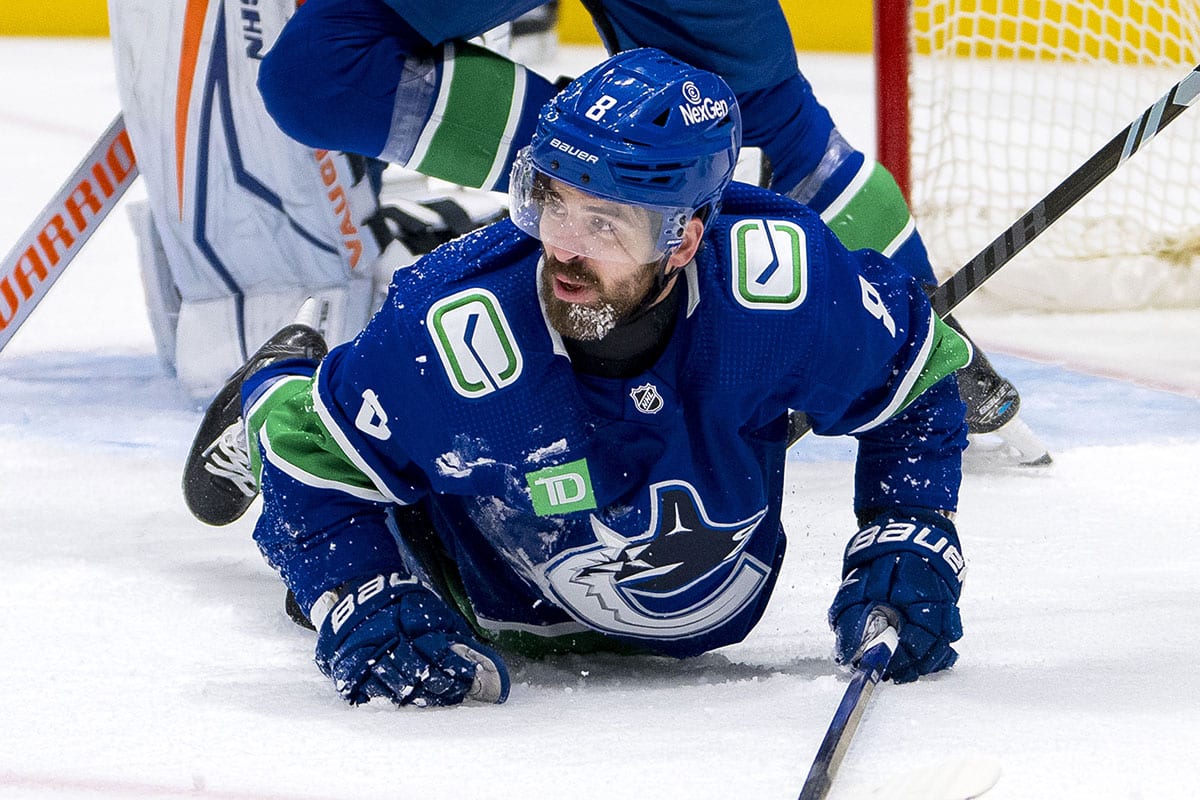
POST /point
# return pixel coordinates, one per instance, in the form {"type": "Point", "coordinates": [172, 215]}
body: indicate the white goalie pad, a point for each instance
{"type": "Point", "coordinates": [245, 223]}
{"type": "Point", "coordinates": [162, 297]}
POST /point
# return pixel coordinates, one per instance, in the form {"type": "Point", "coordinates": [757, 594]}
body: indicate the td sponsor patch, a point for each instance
{"type": "Point", "coordinates": [561, 489]}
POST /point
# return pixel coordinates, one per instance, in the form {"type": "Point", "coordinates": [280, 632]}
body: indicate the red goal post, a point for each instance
{"type": "Point", "coordinates": [892, 42]}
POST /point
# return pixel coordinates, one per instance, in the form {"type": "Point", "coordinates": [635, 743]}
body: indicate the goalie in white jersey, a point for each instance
{"type": "Point", "coordinates": [243, 222]}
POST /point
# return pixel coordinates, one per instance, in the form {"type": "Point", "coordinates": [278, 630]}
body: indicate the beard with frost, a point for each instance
{"type": "Point", "coordinates": [593, 321]}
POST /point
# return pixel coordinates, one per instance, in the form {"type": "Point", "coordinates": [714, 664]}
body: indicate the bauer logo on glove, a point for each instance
{"type": "Point", "coordinates": [909, 561]}
{"type": "Point", "coordinates": [904, 532]}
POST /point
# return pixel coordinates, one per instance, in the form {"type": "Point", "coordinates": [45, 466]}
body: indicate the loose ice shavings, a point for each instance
{"type": "Point", "coordinates": [453, 465]}
{"type": "Point", "coordinates": [542, 453]}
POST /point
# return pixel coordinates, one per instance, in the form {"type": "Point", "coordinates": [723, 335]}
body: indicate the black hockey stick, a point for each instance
{"type": "Point", "coordinates": [1073, 189]}
{"type": "Point", "coordinates": [880, 637]}
{"type": "Point", "coordinates": [1061, 199]}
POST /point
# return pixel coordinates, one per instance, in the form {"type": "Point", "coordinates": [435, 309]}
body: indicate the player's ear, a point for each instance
{"type": "Point", "coordinates": [693, 234]}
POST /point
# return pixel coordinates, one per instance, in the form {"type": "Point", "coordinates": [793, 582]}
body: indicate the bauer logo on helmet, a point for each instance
{"type": "Point", "coordinates": [571, 150]}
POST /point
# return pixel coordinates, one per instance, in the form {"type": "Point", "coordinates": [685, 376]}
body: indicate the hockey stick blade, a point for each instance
{"type": "Point", "coordinates": [1061, 199]}
{"type": "Point", "coordinates": [66, 223]}
{"type": "Point", "coordinates": [880, 637]}
{"type": "Point", "coordinates": [953, 779]}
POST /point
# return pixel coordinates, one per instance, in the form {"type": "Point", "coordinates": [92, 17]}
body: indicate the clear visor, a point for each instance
{"type": "Point", "coordinates": [568, 218]}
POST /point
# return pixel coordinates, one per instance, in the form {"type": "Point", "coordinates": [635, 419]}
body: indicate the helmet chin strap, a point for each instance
{"type": "Point", "coordinates": [663, 274]}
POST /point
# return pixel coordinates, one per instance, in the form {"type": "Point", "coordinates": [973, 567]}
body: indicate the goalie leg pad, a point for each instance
{"type": "Point", "coordinates": [248, 221]}
{"type": "Point", "coordinates": [162, 295]}
{"type": "Point", "coordinates": [212, 336]}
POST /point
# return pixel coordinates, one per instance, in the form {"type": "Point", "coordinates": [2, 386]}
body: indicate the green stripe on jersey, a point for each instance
{"type": "Point", "coordinates": [286, 420]}
{"type": "Point", "coordinates": [950, 353]}
{"type": "Point", "coordinates": [281, 392]}
{"type": "Point", "coordinates": [471, 118]}
{"type": "Point", "coordinates": [874, 216]}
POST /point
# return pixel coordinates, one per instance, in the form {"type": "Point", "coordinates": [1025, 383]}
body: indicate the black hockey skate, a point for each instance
{"type": "Point", "coordinates": [218, 485]}
{"type": "Point", "coordinates": [992, 402]}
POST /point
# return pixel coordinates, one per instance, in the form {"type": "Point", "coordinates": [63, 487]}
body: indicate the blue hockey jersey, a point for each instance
{"type": "Point", "coordinates": [646, 509]}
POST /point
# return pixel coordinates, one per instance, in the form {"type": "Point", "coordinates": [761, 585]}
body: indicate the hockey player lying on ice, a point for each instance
{"type": "Point", "coordinates": [566, 432]}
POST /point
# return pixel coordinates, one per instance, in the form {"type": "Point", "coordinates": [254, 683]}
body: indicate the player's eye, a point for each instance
{"type": "Point", "coordinates": [602, 226]}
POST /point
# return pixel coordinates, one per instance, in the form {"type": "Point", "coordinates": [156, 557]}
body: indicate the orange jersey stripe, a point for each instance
{"type": "Point", "coordinates": [189, 51]}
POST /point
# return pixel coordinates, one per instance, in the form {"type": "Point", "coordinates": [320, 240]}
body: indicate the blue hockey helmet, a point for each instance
{"type": "Point", "coordinates": [641, 129]}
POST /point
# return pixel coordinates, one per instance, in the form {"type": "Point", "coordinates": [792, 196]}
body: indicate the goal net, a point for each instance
{"type": "Point", "coordinates": [1005, 98]}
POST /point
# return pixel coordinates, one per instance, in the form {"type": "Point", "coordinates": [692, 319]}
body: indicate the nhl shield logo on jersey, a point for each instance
{"type": "Point", "coordinates": [684, 575]}
{"type": "Point", "coordinates": [646, 398]}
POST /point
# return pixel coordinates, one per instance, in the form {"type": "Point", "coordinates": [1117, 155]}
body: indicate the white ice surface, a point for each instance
{"type": "Point", "coordinates": [145, 655]}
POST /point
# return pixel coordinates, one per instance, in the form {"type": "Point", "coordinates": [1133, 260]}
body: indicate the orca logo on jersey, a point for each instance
{"type": "Point", "coordinates": [682, 576]}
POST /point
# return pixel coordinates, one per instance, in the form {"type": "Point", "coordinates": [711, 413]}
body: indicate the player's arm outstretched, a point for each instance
{"type": "Point", "coordinates": [900, 400]}
{"type": "Point", "coordinates": [906, 554]}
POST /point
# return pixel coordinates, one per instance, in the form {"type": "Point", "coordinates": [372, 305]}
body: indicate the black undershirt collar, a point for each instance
{"type": "Point", "coordinates": [632, 346]}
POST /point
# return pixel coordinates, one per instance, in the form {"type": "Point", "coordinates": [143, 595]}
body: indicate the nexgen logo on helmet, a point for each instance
{"type": "Point", "coordinates": [708, 109]}
{"type": "Point", "coordinates": [700, 108]}
{"type": "Point", "coordinates": [619, 133]}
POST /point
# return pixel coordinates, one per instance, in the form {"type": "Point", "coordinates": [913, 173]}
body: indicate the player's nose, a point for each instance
{"type": "Point", "coordinates": [563, 255]}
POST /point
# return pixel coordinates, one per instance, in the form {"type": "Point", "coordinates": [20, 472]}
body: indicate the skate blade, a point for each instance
{"type": "Point", "coordinates": [1011, 445]}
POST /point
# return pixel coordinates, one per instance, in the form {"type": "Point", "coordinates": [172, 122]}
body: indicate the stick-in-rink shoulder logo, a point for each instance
{"type": "Point", "coordinates": [769, 262]}
{"type": "Point", "coordinates": [474, 341]}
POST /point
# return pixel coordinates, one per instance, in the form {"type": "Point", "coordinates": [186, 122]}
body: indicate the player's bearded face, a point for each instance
{"type": "Point", "coordinates": [600, 260]}
{"type": "Point", "coordinates": [585, 301]}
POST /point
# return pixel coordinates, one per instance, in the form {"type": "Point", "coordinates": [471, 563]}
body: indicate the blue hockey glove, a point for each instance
{"type": "Point", "coordinates": [388, 636]}
{"type": "Point", "coordinates": [910, 561]}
